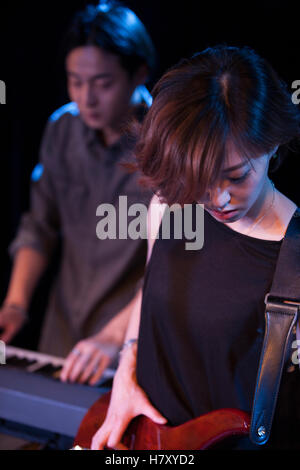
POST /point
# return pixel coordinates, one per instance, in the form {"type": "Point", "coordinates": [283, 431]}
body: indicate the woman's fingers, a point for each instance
{"type": "Point", "coordinates": [154, 415]}
{"type": "Point", "coordinates": [112, 438]}
{"type": "Point", "coordinates": [111, 432]}
{"type": "Point", "coordinates": [115, 437]}
{"type": "Point", "coordinates": [143, 406]}
{"type": "Point", "coordinates": [100, 438]}
{"type": "Point", "coordinates": [120, 446]}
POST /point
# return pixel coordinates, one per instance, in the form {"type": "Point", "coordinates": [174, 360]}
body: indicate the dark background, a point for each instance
{"type": "Point", "coordinates": [30, 65]}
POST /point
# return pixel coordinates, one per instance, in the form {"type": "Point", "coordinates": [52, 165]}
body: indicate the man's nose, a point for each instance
{"type": "Point", "coordinates": [90, 98]}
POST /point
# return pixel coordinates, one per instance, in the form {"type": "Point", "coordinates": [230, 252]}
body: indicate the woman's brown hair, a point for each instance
{"type": "Point", "coordinates": [219, 95]}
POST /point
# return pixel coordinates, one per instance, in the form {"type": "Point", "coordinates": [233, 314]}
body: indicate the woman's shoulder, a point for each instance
{"type": "Point", "coordinates": [286, 209]}
{"type": "Point", "coordinates": [297, 212]}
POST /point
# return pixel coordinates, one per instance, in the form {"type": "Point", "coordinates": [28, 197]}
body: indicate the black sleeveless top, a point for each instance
{"type": "Point", "coordinates": [202, 321]}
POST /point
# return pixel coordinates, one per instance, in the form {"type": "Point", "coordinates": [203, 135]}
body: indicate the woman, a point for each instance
{"type": "Point", "coordinates": [216, 125]}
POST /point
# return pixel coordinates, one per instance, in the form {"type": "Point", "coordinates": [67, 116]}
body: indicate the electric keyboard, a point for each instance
{"type": "Point", "coordinates": [32, 395]}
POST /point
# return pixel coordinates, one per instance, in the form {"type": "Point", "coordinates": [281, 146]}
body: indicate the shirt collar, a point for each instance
{"type": "Point", "coordinates": [91, 135]}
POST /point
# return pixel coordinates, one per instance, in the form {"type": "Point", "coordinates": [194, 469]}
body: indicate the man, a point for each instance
{"type": "Point", "coordinates": [109, 57]}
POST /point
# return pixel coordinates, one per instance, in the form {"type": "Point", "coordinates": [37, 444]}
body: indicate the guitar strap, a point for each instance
{"type": "Point", "coordinates": [281, 312]}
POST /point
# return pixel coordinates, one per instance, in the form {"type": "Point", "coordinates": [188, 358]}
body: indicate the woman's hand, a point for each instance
{"type": "Point", "coordinates": [128, 400]}
{"type": "Point", "coordinates": [88, 360]}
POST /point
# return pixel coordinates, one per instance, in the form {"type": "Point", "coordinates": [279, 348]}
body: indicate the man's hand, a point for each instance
{"type": "Point", "coordinates": [12, 318]}
{"type": "Point", "coordinates": [88, 360]}
{"type": "Point", "coordinates": [90, 357]}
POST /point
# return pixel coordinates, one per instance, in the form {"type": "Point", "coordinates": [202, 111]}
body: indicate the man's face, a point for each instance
{"type": "Point", "coordinates": [100, 86]}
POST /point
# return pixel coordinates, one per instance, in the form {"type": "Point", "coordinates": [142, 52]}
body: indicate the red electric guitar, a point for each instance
{"type": "Point", "coordinates": [143, 434]}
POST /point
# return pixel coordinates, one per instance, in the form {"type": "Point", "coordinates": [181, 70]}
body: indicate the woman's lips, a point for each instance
{"type": "Point", "coordinates": [223, 215]}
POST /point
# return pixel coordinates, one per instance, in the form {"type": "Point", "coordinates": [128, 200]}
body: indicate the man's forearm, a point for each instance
{"type": "Point", "coordinates": [28, 266]}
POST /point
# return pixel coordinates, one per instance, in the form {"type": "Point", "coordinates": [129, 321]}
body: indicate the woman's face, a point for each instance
{"type": "Point", "coordinates": [241, 189]}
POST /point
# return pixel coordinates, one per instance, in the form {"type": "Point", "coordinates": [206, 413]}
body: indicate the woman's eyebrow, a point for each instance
{"type": "Point", "coordinates": [236, 167]}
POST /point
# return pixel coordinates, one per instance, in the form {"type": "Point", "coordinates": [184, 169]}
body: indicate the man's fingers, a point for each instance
{"type": "Point", "coordinates": [8, 329]}
{"type": "Point", "coordinates": [7, 335]}
{"type": "Point", "coordinates": [78, 366]}
{"type": "Point", "coordinates": [91, 367]}
{"type": "Point", "coordinates": [68, 365]}
{"type": "Point", "coordinates": [74, 364]}
{"type": "Point", "coordinates": [99, 370]}
{"type": "Point", "coordinates": [84, 363]}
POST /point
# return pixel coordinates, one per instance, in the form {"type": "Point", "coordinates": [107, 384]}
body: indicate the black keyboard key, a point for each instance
{"type": "Point", "coordinates": [49, 370]}
{"type": "Point", "coordinates": [19, 362]}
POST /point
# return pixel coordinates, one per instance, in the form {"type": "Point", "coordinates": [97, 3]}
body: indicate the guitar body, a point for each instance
{"type": "Point", "coordinates": [143, 434]}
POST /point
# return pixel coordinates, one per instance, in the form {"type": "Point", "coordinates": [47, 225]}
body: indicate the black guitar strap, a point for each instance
{"type": "Point", "coordinates": [281, 312]}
